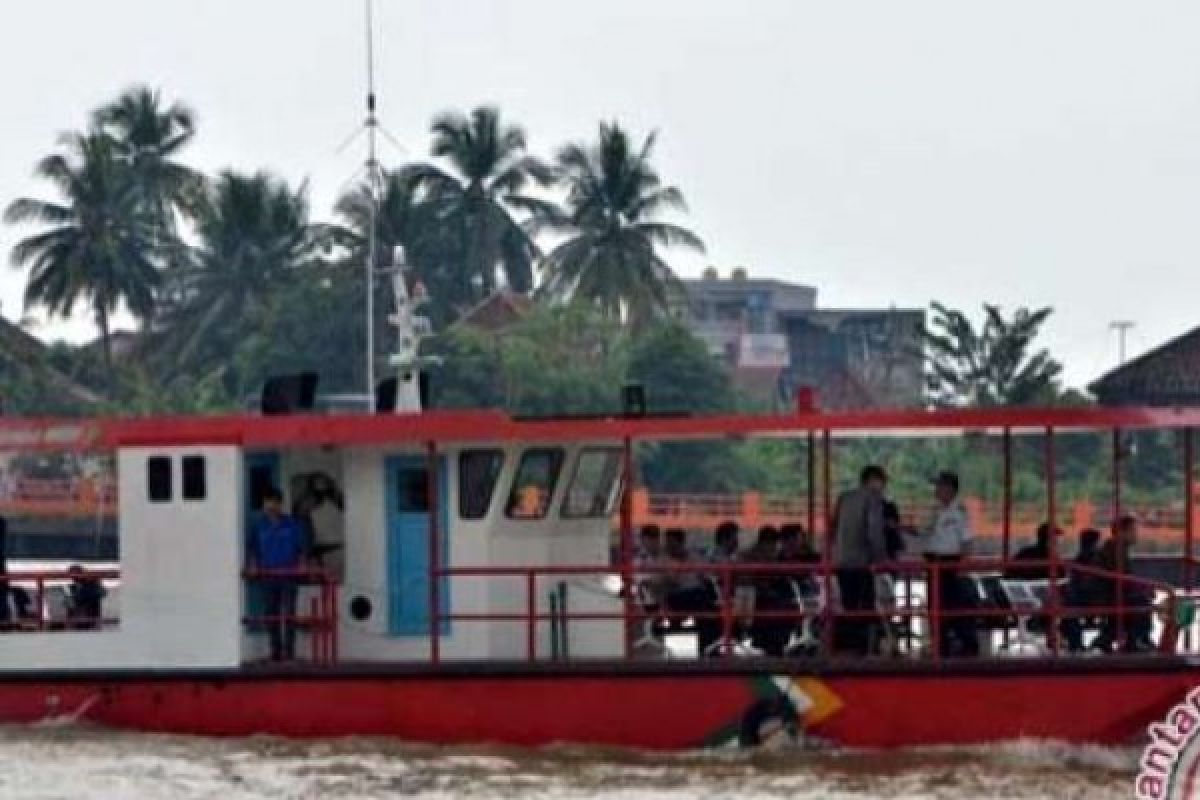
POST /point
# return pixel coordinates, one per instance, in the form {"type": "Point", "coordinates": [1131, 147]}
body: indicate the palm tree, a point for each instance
{"type": "Point", "coordinates": [474, 199]}
{"type": "Point", "coordinates": [254, 236]}
{"type": "Point", "coordinates": [97, 245]}
{"type": "Point", "coordinates": [612, 221]}
{"type": "Point", "coordinates": [992, 365]}
{"type": "Point", "coordinates": [403, 218]}
{"type": "Point", "coordinates": [151, 137]}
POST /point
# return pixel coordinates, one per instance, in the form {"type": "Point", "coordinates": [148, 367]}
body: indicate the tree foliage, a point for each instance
{"type": "Point", "coordinates": [611, 218]}
{"type": "Point", "coordinates": [998, 363]}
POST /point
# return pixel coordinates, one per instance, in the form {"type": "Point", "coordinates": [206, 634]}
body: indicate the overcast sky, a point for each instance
{"type": "Point", "coordinates": [1024, 153]}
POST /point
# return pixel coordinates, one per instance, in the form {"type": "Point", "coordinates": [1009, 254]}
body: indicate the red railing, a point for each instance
{"type": "Point", "coordinates": [320, 619]}
{"type": "Point", "coordinates": [987, 519]}
{"type": "Point", "coordinates": [39, 614]}
{"type": "Point", "coordinates": [907, 606]}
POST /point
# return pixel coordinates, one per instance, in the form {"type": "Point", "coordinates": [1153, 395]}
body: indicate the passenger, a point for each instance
{"type": "Point", "coordinates": [1040, 550]}
{"type": "Point", "coordinates": [860, 544]}
{"type": "Point", "coordinates": [278, 552]}
{"type": "Point", "coordinates": [724, 551]}
{"type": "Point", "coordinates": [764, 593]}
{"type": "Point", "coordinates": [85, 600]}
{"type": "Point", "coordinates": [1116, 557]}
{"type": "Point", "coordinates": [1083, 588]}
{"type": "Point", "coordinates": [649, 554]}
{"type": "Point", "coordinates": [766, 547]}
{"type": "Point", "coordinates": [725, 543]}
{"type": "Point", "coordinates": [795, 545]}
{"type": "Point", "coordinates": [944, 542]}
{"type": "Point", "coordinates": [688, 593]}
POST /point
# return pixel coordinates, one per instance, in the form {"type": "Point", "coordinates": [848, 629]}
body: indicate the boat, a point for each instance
{"type": "Point", "coordinates": [468, 589]}
{"type": "Point", "coordinates": [463, 611]}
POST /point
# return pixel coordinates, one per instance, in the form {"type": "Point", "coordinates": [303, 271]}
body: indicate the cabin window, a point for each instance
{"type": "Point", "coordinates": [158, 479]}
{"type": "Point", "coordinates": [412, 489]}
{"type": "Point", "coordinates": [534, 485]}
{"type": "Point", "coordinates": [478, 472]}
{"type": "Point", "coordinates": [591, 491]}
{"type": "Point", "coordinates": [195, 481]}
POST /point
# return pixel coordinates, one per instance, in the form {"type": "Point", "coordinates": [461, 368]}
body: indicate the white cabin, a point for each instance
{"type": "Point", "coordinates": [188, 497]}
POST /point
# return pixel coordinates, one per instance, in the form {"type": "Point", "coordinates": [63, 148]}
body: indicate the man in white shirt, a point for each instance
{"type": "Point", "coordinates": [944, 542]}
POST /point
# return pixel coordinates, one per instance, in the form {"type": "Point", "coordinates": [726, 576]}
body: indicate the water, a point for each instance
{"type": "Point", "coordinates": [85, 764]}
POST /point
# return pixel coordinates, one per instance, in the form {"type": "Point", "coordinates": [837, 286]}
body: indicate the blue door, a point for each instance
{"type": "Point", "coordinates": [408, 515]}
{"type": "Point", "coordinates": [262, 473]}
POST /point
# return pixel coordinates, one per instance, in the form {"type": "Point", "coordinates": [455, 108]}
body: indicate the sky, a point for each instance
{"type": "Point", "coordinates": [888, 153]}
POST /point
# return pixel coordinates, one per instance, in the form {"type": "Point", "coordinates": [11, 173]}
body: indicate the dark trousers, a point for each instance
{"type": "Point", "coordinates": [279, 605]}
{"type": "Point", "coordinates": [857, 587]}
{"type": "Point", "coordinates": [952, 596]}
{"type": "Point", "coordinates": [698, 600]}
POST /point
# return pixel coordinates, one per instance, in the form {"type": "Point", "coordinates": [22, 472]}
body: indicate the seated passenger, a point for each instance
{"type": "Point", "coordinates": [795, 545]}
{"type": "Point", "coordinates": [766, 592]}
{"type": "Point", "coordinates": [1038, 551]}
{"type": "Point", "coordinates": [649, 554]}
{"type": "Point", "coordinates": [86, 598]}
{"type": "Point", "coordinates": [686, 592]}
{"type": "Point", "coordinates": [724, 551]}
{"type": "Point", "coordinates": [725, 543]}
{"type": "Point", "coordinates": [1130, 631]}
{"type": "Point", "coordinates": [1083, 588]}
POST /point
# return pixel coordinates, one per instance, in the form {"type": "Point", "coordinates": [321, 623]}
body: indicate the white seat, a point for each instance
{"type": "Point", "coordinates": [1025, 601]}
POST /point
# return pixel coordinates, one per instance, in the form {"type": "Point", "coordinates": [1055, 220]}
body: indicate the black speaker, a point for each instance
{"type": "Point", "coordinates": [633, 400]}
{"type": "Point", "coordinates": [288, 394]}
{"type": "Point", "coordinates": [385, 396]}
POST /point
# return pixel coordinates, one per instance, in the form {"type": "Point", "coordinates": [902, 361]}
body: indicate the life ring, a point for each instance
{"type": "Point", "coordinates": [777, 709]}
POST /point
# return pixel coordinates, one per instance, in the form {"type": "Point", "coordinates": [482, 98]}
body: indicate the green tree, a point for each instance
{"type": "Point", "coordinates": [996, 364]}
{"type": "Point", "coordinates": [402, 219]}
{"type": "Point", "coordinates": [612, 221]}
{"type": "Point", "coordinates": [255, 238]}
{"type": "Point", "coordinates": [679, 376]}
{"type": "Point", "coordinates": [475, 196]}
{"type": "Point", "coordinates": [151, 137]}
{"type": "Point", "coordinates": [555, 361]}
{"type": "Point", "coordinates": [97, 244]}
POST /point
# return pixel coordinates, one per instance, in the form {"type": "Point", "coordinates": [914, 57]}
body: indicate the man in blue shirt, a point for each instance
{"type": "Point", "coordinates": [277, 546]}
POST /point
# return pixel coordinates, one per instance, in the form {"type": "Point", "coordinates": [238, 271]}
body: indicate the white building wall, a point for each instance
{"type": "Point", "coordinates": [180, 577]}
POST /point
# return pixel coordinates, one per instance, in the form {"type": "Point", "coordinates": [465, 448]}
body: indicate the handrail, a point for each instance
{"type": "Point", "coordinates": [40, 578]}
{"type": "Point", "coordinates": [727, 575]}
{"type": "Point", "coordinates": [321, 620]}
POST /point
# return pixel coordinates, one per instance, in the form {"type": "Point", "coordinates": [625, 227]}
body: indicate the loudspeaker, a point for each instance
{"type": "Point", "coordinates": [288, 394]}
{"type": "Point", "coordinates": [633, 400]}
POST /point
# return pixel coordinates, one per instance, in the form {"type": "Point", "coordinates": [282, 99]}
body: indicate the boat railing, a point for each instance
{"type": "Point", "coordinates": [41, 600]}
{"type": "Point", "coordinates": [913, 582]}
{"type": "Point", "coordinates": [315, 615]}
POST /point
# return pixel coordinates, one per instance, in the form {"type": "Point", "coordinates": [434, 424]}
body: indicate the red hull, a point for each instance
{"type": "Point", "coordinates": [643, 709]}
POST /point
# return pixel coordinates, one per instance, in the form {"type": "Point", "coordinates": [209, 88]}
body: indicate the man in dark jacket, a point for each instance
{"type": "Point", "coordinates": [861, 543]}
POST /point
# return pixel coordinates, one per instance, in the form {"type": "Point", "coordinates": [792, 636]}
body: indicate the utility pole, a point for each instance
{"type": "Point", "coordinates": [1122, 327]}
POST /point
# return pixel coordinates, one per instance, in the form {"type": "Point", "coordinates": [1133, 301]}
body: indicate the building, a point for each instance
{"type": "Point", "coordinates": [774, 339]}
{"type": "Point", "coordinates": [865, 358]}
{"type": "Point", "coordinates": [1168, 375]}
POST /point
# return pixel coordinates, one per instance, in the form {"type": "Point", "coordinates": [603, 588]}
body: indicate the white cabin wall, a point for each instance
{"type": "Point", "coordinates": [180, 577]}
{"type": "Point", "coordinates": [367, 574]}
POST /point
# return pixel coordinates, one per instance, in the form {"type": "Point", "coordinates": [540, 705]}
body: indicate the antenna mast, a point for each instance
{"type": "Point", "coordinates": [374, 188]}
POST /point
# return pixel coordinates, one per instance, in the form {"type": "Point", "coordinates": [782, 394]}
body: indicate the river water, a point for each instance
{"type": "Point", "coordinates": [73, 763]}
